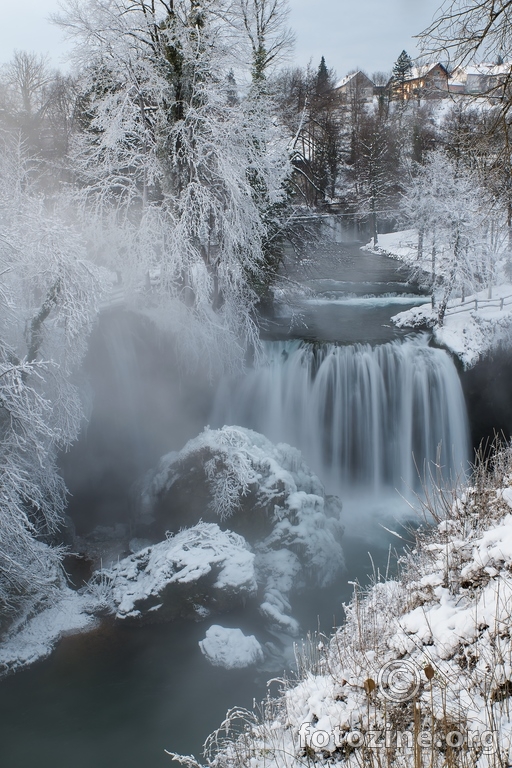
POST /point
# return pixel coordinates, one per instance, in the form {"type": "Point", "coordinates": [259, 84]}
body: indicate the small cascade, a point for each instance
{"type": "Point", "coordinates": [367, 417]}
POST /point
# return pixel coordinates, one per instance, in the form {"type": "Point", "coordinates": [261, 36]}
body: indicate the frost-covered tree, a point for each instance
{"type": "Point", "coordinates": [171, 157]}
{"type": "Point", "coordinates": [38, 103]}
{"type": "Point", "coordinates": [49, 296]}
{"type": "Point", "coordinates": [263, 24]}
{"type": "Point", "coordinates": [445, 201]}
{"type": "Point", "coordinates": [374, 168]}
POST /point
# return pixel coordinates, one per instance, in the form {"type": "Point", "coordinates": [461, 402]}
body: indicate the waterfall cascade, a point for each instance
{"type": "Point", "coordinates": [362, 416]}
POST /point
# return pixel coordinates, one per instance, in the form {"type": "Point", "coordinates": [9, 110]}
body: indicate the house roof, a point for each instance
{"type": "Point", "coordinates": [423, 70]}
{"type": "Point", "coordinates": [350, 77]}
{"type": "Point", "coordinates": [486, 69]}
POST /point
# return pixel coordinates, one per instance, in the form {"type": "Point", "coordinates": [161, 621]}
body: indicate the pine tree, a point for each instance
{"type": "Point", "coordinates": [322, 79]}
{"type": "Point", "coordinates": [401, 72]}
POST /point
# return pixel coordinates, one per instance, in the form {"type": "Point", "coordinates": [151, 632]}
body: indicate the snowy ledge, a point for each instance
{"type": "Point", "coordinates": [471, 328]}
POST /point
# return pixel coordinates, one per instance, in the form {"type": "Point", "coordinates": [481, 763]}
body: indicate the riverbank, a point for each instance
{"type": "Point", "coordinates": [420, 670]}
{"type": "Point", "coordinates": [472, 327]}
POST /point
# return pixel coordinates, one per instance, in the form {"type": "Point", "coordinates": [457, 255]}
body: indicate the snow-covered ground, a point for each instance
{"type": "Point", "coordinates": [399, 245]}
{"type": "Point", "coordinates": [470, 328]}
{"type": "Point", "coordinates": [34, 635]}
{"type": "Point", "coordinates": [423, 660]}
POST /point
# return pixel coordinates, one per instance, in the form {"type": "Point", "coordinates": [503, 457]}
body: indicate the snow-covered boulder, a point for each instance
{"type": "Point", "coordinates": [230, 648]}
{"type": "Point", "coordinates": [266, 493]}
{"type": "Point", "coordinates": [199, 571]}
{"type": "Point", "coordinates": [236, 477]}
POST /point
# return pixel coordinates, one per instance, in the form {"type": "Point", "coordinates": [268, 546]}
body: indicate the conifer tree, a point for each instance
{"type": "Point", "coordinates": [322, 78]}
{"type": "Point", "coordinates": [401, 72]}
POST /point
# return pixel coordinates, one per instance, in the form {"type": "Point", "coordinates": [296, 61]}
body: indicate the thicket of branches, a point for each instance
{"type": "Point", "coordinates": [49, 294]}
{"type": "Point", "coordinates": [149, 161]}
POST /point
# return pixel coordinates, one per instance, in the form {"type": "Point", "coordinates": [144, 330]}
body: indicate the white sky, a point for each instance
{"type": "Point", "coordinates": [369, 34]}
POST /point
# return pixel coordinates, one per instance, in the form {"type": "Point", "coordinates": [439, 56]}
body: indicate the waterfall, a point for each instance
{"type": "Point", "coordinates": [362, 416]}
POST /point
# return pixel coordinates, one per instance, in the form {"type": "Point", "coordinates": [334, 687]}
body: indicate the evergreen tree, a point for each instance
{"type": "Point", "coordinates": [322, 79]}
{"type": "Point", "coordinates": [401, 72]}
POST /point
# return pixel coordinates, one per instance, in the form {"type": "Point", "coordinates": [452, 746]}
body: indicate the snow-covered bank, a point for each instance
{"type": "Point", "coordinates": [35, 633]}
{"type": "Point", "coordinates": [421, 672]}
{"type": "Point", "coordinates": [470, 328]}
{"type": "Point", "coordinates": [398, 245]}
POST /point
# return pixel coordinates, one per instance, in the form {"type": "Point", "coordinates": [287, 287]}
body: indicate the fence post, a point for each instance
{"type": "Point", "coordinates": [476, 303]}
{"type": "Point", "coordinates": [501, 303]}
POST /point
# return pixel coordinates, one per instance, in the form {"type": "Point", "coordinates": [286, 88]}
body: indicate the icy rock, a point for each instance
{"type": "Point", "coordinates": [230, 648]}
{"type": "Point", "coordinates": [200, 570]}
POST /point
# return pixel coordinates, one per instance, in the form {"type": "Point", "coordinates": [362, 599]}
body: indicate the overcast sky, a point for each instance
{"type": "Point", "coordinates": [369, 34]}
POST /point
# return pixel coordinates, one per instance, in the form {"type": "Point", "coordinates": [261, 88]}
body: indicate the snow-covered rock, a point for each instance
{"type": "Point", "coordinates": [266, 493]}
{"type": "Point", "coordinates": [230, 648]}
{"type": "Point", "coordinates": [199, 571]}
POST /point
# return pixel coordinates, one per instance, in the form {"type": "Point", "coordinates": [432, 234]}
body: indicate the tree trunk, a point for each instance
{"type": "Point", "coordinates": [375, 233]}
{"type": "Point", "coordinates": [421, 235]}
{"type": "Point", "coordinates": [36, 326]}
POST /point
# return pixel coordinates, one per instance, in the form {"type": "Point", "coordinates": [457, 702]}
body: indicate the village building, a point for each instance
{"type": "Point", "coordinates": [429, 81]}
{"type": "Point", "coordinates": [355, 87]}
{"type": "Point", "coordinates": [483, 79]}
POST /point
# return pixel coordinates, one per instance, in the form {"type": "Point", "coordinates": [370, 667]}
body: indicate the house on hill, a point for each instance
{"type": "Point", "coordinates": [484, 79]}
{"type": "Point", "coordinates": [428, 81]}
{"type": "Point", "coordinates": [356, 86]}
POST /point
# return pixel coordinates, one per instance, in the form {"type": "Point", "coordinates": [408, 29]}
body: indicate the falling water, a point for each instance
{"type": "Point", "coordinates": [363, 416]}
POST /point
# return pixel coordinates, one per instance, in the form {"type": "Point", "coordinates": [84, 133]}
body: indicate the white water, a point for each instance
{"type": "Point", "coordinates": [364, 417]}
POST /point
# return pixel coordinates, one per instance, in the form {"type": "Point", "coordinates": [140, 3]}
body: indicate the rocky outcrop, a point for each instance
{"type": "Point", "coordinates": [200, 571]}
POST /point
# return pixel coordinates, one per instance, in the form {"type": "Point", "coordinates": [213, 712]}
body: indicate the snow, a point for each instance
{"type": "Point", "coordinates": [35, 634]}
{"type": "Point", "coordinates": [301, 542]}
{"type": "Point", "coordinates": [470, 329]}
{"type": "Point", "coordinates": [399, 245]}
{"type": "Point", "coordinates": [230, 648]}
{"type": "Point", "coordinates": [140, 580]}
{"type": "Point", "coordinates": [450, 609]}
{"type": "Point", "coordinates": [467, 332]}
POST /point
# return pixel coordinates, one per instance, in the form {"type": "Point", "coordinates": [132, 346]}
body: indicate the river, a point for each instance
{"type": "Point", "coordinates": [343, 385]}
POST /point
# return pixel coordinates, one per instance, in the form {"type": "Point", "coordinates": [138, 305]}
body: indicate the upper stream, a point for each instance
{"type": "Point", "coordinates": [369, 407]}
